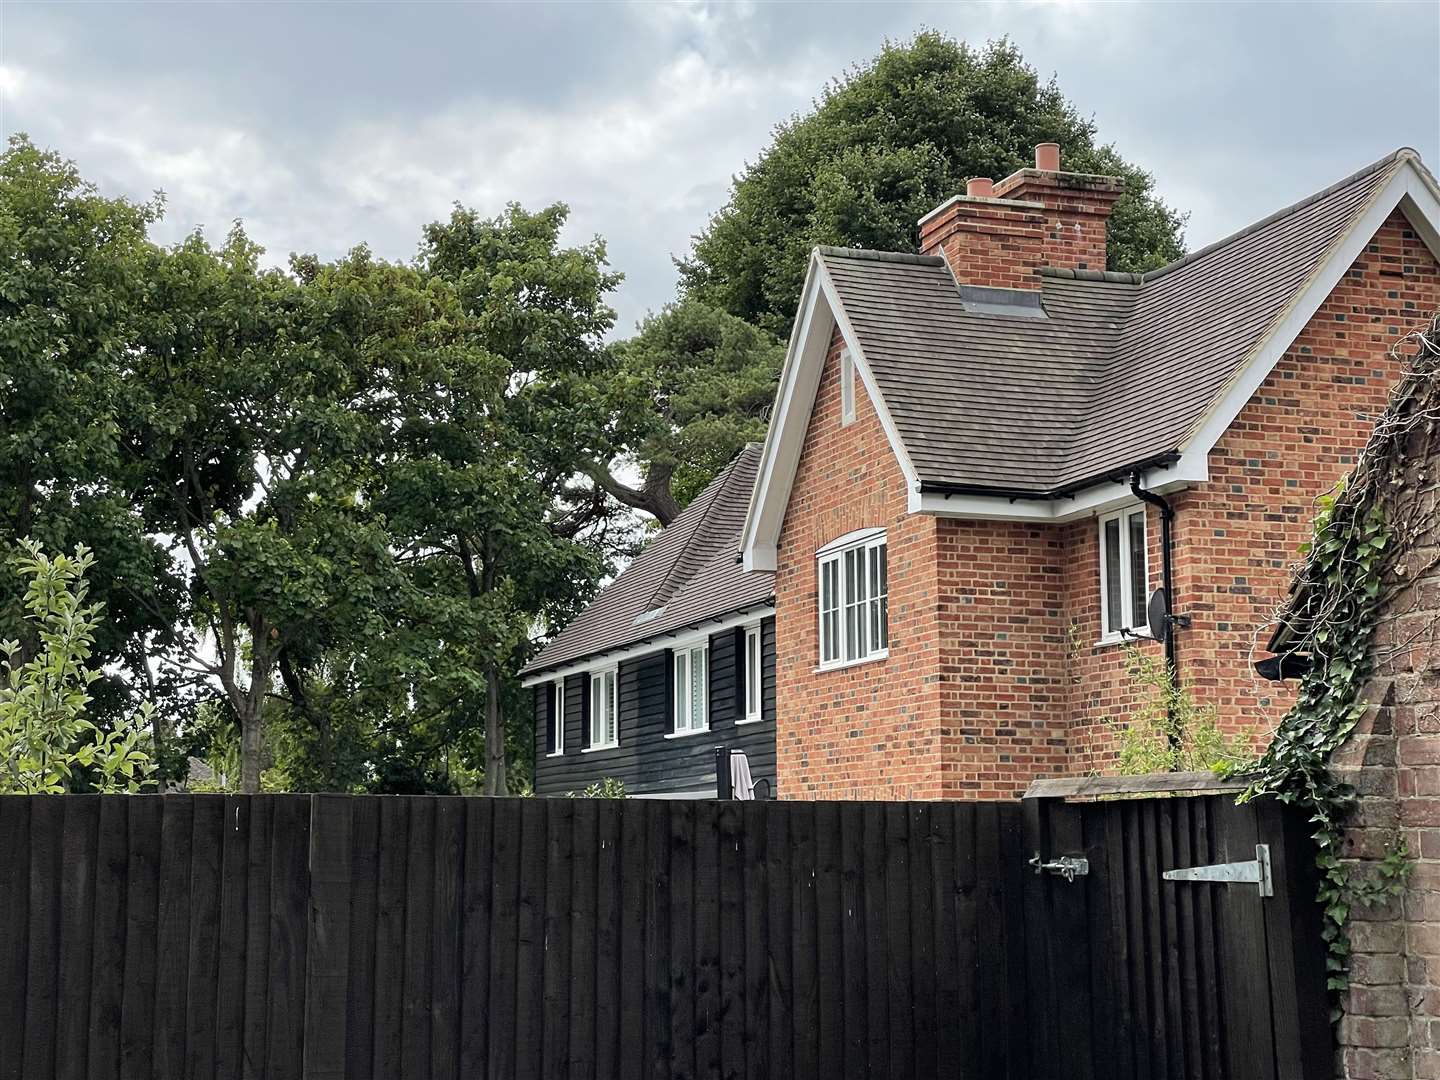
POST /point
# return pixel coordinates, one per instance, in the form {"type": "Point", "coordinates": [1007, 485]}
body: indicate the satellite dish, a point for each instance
{"type": "Point", "coordinates": [1157, 614]}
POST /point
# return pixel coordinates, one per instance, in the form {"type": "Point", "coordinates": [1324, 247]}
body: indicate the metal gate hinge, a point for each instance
{"type": "Point", "coordinates": [1068, 867]}
{"type": "Point", "coordinates": [1255, 872]}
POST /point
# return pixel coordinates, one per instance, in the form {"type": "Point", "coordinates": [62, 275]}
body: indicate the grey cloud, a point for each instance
{"type": "Point", "coordinates": [324, 125]}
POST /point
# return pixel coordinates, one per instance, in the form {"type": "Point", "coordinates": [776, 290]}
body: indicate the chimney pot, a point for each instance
{"type": "Point", "coordinates": [980, 187]}
{"type": "Point", "coordinates": [1047, 157]}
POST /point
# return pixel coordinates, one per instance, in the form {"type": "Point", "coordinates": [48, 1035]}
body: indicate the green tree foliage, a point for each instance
{"type": "Point", "coordinates": [1169, 731]}
{"type": "Point", "coordinates": [47, 742]}
{"type": "Point", "coordinates": [884, 145]}
{"type": "Point", "coordinates": [72, 294]}
{"type": "Point", "coordinates": [689, 391]}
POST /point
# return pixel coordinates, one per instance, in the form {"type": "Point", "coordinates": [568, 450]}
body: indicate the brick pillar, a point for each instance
{"type": "Point", "coordinates": [1391, 1028]}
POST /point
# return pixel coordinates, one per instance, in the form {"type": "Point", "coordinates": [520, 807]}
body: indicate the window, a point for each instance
{"type": "Point", "coordinates": [557, 718]}
{"type": "Point", "coordinates": [604, 710]}
{"type": "Point", "coordinates": [754, 676]}
{"type": "Point", "coordinates": [847, 387]}
{"type": "Point", "coordinates": [854, 599]}
{"type": "Point", "coordinates": [692, 687]}
{"type": "Point", "coordinates": [1124, 581]}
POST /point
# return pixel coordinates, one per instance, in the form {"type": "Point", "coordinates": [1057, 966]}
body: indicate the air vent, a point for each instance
{"type": "Point", "coordinates": [982, 300]}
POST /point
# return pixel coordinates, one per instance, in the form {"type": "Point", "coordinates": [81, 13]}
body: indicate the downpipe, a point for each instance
{"type": "Point", "coordinates": [1167, 575]}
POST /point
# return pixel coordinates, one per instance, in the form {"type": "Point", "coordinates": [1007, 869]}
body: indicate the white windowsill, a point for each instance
{"type": "Point", "coordinates": [836, 665]}
{"type": "Point", "coordinates": [1134, 636]}
{"type": "Point", "coordinates": [750, 720]}
{"type": "Point", "coordinates": [601, 746]}
{"type": "Point", "coordinates": [556, 753]}
{"type": "Point", "coordinates": [687, 734]}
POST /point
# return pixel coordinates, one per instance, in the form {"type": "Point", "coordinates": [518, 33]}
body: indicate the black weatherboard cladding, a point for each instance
{"type": "Point", "coordinates": [645, 761]}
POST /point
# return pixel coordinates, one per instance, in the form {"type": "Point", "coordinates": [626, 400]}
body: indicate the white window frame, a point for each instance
{"type": "Point", "coordinates": [683, 721]}
{"type": "Point", "coordinates": [599, 703]}
{"type": "Point", "coordinates": [1128, 628]}
{"type": "Point", "coordinates": [847, 388]}
{"type": "Point", "coordinates": [860, 629]}
{"type": "Point", "coordinates": [754, 703]}
{"type": "Point", "coordinates": [559, 721]}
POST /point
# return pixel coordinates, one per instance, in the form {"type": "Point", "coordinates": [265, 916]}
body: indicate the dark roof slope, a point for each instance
{"type": "Point", "coordinates": [1117, 373]}
{"type": "Point", "coordinates": [688, 574]}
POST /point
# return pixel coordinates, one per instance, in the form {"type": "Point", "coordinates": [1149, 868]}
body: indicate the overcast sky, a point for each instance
{"type": "Point", "coordinates": [323, 125]}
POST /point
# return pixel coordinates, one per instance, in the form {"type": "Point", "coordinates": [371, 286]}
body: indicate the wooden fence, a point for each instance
{"type": "Point", "coordinates": [328, 936]}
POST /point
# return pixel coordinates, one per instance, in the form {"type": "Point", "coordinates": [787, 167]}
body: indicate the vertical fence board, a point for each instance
{"type": "Point", "coordinates": [257, 938]}
{"type": "Point", "coordinates": [364, 911]}
{"type": "Point", "coordinates": [327, 942]}
{"type": "Point", "coordinates": [732, 941]}
{"type": "Point", "coordinates": [594, 1045]}
{"type": "Point", "coordinates": [960, 879]}
{"type": "Point", "coordinates": [658, 1037]}
{"type": "Point", "coordinates": [77, 931]}
{"type": "Point", "coordinates": [108, 965]}
{"type": "Point", "coordinates": [419, 900]}
{"type": "Point", "coordinates": [137, 1011]}
{"type": "Point", "coordinates": [476, 899]}
{"type": "Point", "coordinates": [705, 963]}
{"type": "Point", "coordinates": [289, 916]}
{"type": "Point", "coordinates": [682, 938]}
{"type": "Point", "coordinates": [14, 946]}
{"type": "Point", "coordinates": [877, 955]}
{"type": "Point", "coordinates": [207, 844]}
{"type": "Point", "coordinates": [234, 958]}
{"type": "Point", "coordinates": [1015, 1016]}
{"type": "Point", "coordinates": [758, 945]}
{"type": "Point", "coordinates": [504, 934]}
{"type": "Point", "coordinates": [390, 936]}
{"type": "Point", "coordinates": [830, 941]}
{"type": "Point", "coordinates": [778, 852]}
{"type": "Point", "coordinates": [593, 987]}
{"type": "Point", "coordinates": [445, 937]}
{"type": "Point", "coordinates": [804, 935]}
{"type": "Point", "coordinates": [855, 1020]}
{"type": "Point", "coordinates": [558, 933]}
{"type": "Point", "coordinates": [177, 826]}
{"type": "Point", "coordinates": [898, 943]}
{"type": "Point", "coordinates": [47, 827]}
{"type": "Point", "coordinates": [530, 941]}
{"type": "Point", "coordinates": [922, 939]}
{"type": "Point", "coordinates": [1210, 1017]}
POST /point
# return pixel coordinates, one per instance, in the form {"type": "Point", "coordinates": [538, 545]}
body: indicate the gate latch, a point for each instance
{"type": "Point", "coordinates": [1068, 867]}
{"type": "Point", "coordinates": [1255, 872]}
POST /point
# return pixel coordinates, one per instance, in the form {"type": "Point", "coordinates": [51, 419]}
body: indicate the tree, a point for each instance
{"type": "Point", "coordinates": [47, 742]}
{"type": "Point", "coordinates": [72, 291]}
{"type": "Point", "coordinates": [689, 391]}
{"type": "Point", "coordinates": [493, 427]}
{"type": "Point", "coordinates": [884, 145]}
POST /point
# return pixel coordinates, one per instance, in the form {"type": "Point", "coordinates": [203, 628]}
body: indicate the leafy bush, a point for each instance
{"type": "Point", "coordinates": [605, 788]}
{"type": "Point", "coordinates": [46, 742]}
{"type": "Point", "coordinates": [1169, 731]}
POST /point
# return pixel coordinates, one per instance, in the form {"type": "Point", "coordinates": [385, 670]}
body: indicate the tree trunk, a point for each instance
{"type": "Point", "coordinates": [653, 496]}
{"type": "Point", "coordinates": [251, 748]}
{"type": "Point", "coordinates": [496, 782]}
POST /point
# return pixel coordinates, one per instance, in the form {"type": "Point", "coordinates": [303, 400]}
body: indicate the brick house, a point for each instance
{"type": "Point", "coordinates": [964, 491]}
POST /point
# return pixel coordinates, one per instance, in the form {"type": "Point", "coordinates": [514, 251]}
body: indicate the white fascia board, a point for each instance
{"type": "Point", "coordinates": [1085, 503]}
{"type": "Point", "coordinates": [781, 452]}
{"type": "Point", "coordinates": [1411, 190]}
{"type": "Point", "coordinates": [606, 660]}
{"type": "Point", "coordinates": [820, 311]}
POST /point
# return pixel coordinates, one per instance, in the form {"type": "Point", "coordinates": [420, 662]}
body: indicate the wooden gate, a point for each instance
{"type": "Point", "coordinates": [1135, 976]}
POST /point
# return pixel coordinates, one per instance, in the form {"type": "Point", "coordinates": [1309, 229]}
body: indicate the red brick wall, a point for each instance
{"type": "Point", "coordinates": [995, 675]}
{"type": "Point", "coordinates": [1237, 536]}
{"type": "Point", "coordinates": [1077, 207]}
{"type": "Point", "coordinates": [871, 730]}
{"type": "Point", "coordinates": [988, 243]}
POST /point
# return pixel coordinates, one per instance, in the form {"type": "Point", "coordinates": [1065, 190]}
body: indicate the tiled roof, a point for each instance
{"type": "Point", "coordinates": [1118, 371]}
{"type": "Point", "coordinates": [687, 575]}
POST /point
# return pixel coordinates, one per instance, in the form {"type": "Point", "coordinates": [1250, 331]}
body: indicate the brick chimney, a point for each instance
{"type": "Point", "coordinates": [1000, 234]}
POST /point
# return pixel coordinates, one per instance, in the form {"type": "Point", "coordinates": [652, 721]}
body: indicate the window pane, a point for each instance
{"type": "Point", "coordinates": [697, 688]}
{"type": "Point", "coordinates": [611, 720]}
{"type": "Point", "coordinates": [682, 691]}
{"type": "Point", "coordinates": [752, 672]}
{"type": "Point", "coordinates": [1114, 610]}
{"type": "Point", "coordinates": [1138, 585]}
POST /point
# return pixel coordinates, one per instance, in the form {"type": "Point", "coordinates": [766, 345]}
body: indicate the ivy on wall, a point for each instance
{"type": "Point", "coordinates": [1353, 570]}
